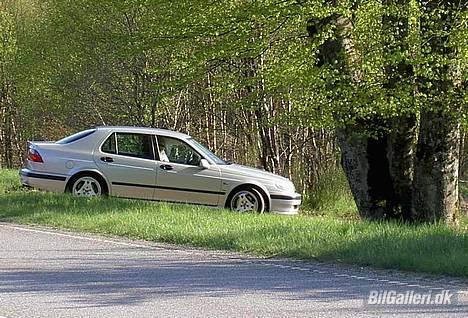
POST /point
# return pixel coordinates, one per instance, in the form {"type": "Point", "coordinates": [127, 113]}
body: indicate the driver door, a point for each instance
{"type": "Point", "coordinates": [180, 177]}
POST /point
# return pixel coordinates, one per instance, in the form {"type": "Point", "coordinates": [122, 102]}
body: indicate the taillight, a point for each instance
{"type": "Point", "coordinates": [33, 155]}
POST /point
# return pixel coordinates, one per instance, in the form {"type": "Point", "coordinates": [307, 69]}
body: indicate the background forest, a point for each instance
{"type": "Point", "coordinates": [256, 81]}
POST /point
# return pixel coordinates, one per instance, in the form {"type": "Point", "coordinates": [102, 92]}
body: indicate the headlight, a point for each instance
{"type": "Point", "coordinates": [280, 186]}
{"type": "Point", "coordinates": [288, 186]}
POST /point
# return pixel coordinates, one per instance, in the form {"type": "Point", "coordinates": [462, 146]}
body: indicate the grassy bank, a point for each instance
{"type": "Point", "coordinates": [330, 196]}
{"type": "Point", "coordinates": [426, 248]}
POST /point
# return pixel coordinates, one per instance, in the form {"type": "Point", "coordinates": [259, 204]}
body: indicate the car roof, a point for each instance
{"type": "Point", "coordinates": [145, 130]}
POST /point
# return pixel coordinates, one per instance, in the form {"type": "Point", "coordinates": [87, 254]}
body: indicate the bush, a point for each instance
{"type": "Point", "coordinates": [9, 181]}
{"type": "Point", "coordinates": [330, 196]}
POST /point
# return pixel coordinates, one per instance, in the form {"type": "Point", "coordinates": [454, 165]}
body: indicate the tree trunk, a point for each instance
{"type": "Point", "coordinates": [400, 153]}
{"type": "Point", "coordinates": [435, 188]}
{"type": "Point", "coordinates": [356, 166]}
{"type": "Point", "coordinates": [463, 155]}
{"type": "Point", "coordinates": [380, 169]}
{"type": "Point", "coordinates": [365, 144]}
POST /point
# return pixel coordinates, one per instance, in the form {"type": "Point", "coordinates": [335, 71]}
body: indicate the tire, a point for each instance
{"type": "Point", "coordinates": [87, 185]}
{"type": "Point", "coordinates": [246, 200]}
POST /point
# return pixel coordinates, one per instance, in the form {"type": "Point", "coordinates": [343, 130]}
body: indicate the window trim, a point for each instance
{"type": "Point", "coordinates": [154, 138]}
{"type": "Point", "coordinates": [183, 141]}
{"type": "Point", "coordinates": [105, 140]}
{"type": "Point", "coordinates": [114, 133]}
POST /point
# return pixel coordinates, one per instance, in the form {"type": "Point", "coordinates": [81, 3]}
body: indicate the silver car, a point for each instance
{"type": "Point", "coordinates": [153, 164]}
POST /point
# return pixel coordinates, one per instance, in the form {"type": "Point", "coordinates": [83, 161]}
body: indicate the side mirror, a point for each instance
{"type": "Point", "coordinates": [204, 164]}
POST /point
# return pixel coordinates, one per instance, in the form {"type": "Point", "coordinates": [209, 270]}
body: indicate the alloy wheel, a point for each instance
{"type": "Point", "coordinates": [244, 201]}
{"type": "Point", "coordinates": [87, 187]}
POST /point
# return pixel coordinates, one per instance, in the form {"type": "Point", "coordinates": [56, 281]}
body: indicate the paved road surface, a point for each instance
{"type": "Point", "coordinates": [47, 273]}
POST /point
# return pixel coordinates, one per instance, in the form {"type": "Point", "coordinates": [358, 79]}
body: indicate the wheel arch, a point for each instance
{"type": "Point", "coordinates": [88, 172]}
{"type": "Point", "coordinates": [260, 189]}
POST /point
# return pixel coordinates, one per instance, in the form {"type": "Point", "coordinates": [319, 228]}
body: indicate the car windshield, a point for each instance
{"type": "Point", "coordinates": [208, 152]}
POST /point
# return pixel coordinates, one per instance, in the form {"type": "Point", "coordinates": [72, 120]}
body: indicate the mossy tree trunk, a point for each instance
{"type": "Point", "coordinates": [435, 187]}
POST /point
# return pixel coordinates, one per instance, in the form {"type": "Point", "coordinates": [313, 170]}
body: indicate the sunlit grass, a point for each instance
{"type": "Point", "coordinates": [426, 248]}
{"type": "Point", "coordinates": [330, 196]}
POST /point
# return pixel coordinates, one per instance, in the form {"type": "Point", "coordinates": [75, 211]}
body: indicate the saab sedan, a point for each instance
{"type": "Point", "coordinates": [153, 164]}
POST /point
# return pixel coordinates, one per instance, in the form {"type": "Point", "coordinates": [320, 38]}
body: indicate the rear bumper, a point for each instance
{"type": "Point", "coordinates": [43, 181]}
{"type": "Point", "coordinates": [286, 204]}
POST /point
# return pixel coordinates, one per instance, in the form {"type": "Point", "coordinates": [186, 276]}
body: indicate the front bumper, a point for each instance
{"type": "Point", "coordinates": [285, 204]}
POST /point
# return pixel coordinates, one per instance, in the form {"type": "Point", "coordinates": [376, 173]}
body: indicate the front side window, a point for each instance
{"type": "Point", "coordinates": [129, 144]}
{"type": "Point", "coordinates": [176, 151]}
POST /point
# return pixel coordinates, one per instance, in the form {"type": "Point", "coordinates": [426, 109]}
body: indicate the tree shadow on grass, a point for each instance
{"type": "Point", "coordinates": [442, 253]}
{"type": "Point", "coordinates": [24, 204]}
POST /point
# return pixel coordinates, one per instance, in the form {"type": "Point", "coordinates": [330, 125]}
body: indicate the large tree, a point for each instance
{"type": "Point", "coordinates": [401, 162]}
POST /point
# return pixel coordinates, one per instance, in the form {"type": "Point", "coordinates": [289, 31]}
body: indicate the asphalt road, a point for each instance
{"type": "Point", "coordinates": [48, 273]}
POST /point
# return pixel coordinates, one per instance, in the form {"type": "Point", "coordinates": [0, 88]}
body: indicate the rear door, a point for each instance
{"type": "Point", "coordinates": [181, 179]}
{"type": "Point", "coordinates": [128, 162]}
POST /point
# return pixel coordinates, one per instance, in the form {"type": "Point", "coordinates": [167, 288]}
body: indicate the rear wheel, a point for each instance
{"type": "Point", "coordinates": [247, 200]}
{"type": "Point", "coordinates": [87, 186]}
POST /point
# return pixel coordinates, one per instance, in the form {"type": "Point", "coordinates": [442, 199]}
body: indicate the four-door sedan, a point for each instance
{"type": "Point", "coordinates": [153, 164]}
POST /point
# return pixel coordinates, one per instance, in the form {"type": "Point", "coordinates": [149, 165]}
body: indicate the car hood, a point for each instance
{"type": "Point", "coordinates": [235, 170]}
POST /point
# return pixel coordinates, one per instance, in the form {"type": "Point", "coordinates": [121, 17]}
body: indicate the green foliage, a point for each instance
{"type": "Point", "coordinates": [117, 59]}
{"type": "Point", "coordinates": [8, 46]}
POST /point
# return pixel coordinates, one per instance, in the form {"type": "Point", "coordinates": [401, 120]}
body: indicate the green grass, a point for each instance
{"type": "Point", "coordinates": [9, 181]}
{"type": "Point", "coordinates": [331, 196]}
{"type": "Point", "coordinates": [435, 249]}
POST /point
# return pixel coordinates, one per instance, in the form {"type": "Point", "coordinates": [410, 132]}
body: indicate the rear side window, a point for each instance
{"type": "Point", "coordinates": [130, 145]}
{"type": "Point", "coordinates": [76, 137]}
{"type": "Point", "coordinates": [109, 145]}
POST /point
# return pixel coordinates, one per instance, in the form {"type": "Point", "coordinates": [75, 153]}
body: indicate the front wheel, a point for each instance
{"type": "Point", "coordinates": [247, 200]}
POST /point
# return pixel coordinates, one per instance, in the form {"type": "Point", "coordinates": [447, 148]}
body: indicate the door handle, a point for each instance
{"type": "Point", "coordinates": [107, 159]}
{"type": "Point", "coordinates": [166, 167]}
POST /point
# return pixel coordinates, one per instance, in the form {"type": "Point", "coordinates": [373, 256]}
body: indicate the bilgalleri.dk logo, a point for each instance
{"type": "Point", "coordinates": [444, 297]}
